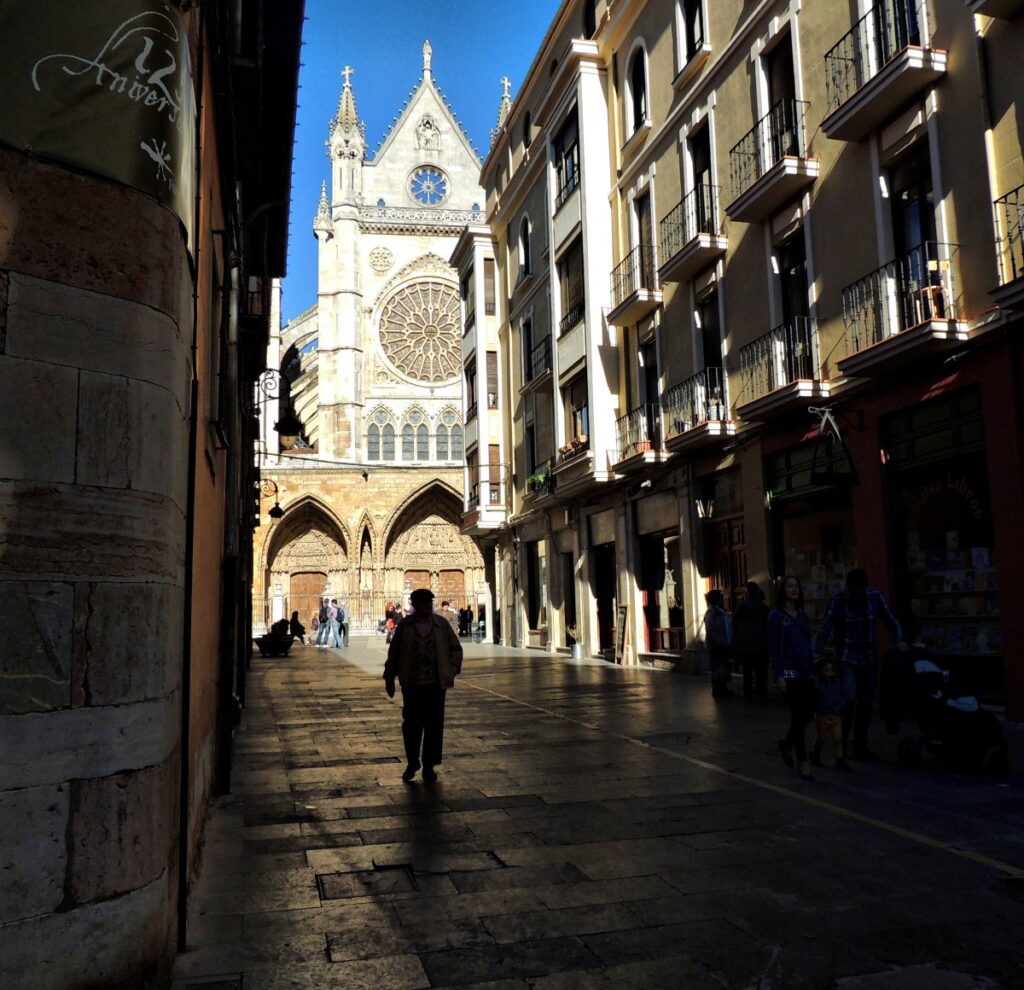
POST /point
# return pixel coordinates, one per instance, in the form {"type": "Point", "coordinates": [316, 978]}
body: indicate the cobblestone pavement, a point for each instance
{"type": "Point", "coordinates": [592, 827]}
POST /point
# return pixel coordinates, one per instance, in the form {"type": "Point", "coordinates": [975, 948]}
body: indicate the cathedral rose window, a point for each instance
{"type": "Point", "coordinates": [428, 185]}
{"type": "Point", "coordinates": [419, 332]}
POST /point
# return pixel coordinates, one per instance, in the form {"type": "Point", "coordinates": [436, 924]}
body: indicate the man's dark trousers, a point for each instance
{"type": "Point", "coordinates": [423, 722]}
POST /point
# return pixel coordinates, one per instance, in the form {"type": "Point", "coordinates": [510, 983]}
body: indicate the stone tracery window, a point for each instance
{"type": "Point", "coordinates": [419, 331]}
{"type": "Point", "coordinates": [380, 437]}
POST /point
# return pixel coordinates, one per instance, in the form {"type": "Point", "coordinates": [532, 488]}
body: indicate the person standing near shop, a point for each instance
{"type": "Point", "coordinates": [718, 636]}
{"type": "Point", "coordinates": [792, 658]}
{"type": "Point", "coordinates": [425, 656]}
{"type": "Point", "coordinates": [750, 641]}
{"type": "Point", "coordinates": [851, 622]}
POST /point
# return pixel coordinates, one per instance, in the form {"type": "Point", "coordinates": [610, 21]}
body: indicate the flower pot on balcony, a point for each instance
{"type": "Point", "coordinates": [576, 651]}
{"type": "Point", "coordinates": [641, 445]}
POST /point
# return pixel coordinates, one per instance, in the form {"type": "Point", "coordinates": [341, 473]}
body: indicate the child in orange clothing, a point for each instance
{"type": "Point", "coordinates": [828, 714]}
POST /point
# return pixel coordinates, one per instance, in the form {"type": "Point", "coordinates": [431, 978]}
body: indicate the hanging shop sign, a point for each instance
{"type": "Point", "coordinates": [831, 463]}
{"type": "Point", "coordinates": [103, 87]}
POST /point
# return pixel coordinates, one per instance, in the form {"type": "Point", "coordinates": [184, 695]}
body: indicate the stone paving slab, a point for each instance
{"type": "Point", "coordinates": [594, 828]}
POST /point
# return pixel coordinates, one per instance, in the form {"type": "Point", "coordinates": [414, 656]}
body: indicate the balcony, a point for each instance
{"type": "Point", "coordinates": [877, 68]}
{"type": "Point", "coordinates": [471, 411]}
{"type": "Point", "coordinates": [537, 368]}
{"type": "Point", "coordinates": [1006, 9]}
{"type": "Point", "coordinates": [639, 438]}
{"type": "Point", "coordinates": [781, 370]}
{"type": "Point", "coordinates": [485, 506]}
{"type": "Point", "coordinates": [1009, 210]}
{"type": "Point", "coordinates": [901, 313]}
{"type": "Point", "coordinates": [690, 235]}
{"type": "Point", "coordinates": [541, 482]}
{"type": "Point", "coordinates": [696, 412]}
{"type": "Point", "coordinates": [769, 165]}
{"type": "Point", "coordinates": [634, 292]}
{"type": "Point", "coordinates": [574, 314]}
{"type": "Point", "coordinates": [574, 468]}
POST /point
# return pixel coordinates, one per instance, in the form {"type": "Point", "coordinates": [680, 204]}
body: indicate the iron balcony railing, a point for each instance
{"type": "Point", "coordinates": [874, 41]}
{"type": "Point", "coordinates": [489, 308]}
{"type": "Point", "coordinates": [573, 448]}
{"type": "Point", "coordinates": [542, 479]}
{"type": "Point", "coordinates": [573, 314]}
{"type": "Point", "coordinates": [538, 360]}
{"type": "Point", "coordinates": [470, 322]}
{"type": "Point", "coordinates": [567, 189]}
{"type": "Point", "coordinates": [471, 412]}
{"type": "Point", "coordinates": [778, 134]}
{"type": "Point", "coordinates": [698, 400]}
{"type": "Point", "coordinates": [639, 430]}
{"type": "Point", "coordinates": [634, 272]}
{"type": "Point", "coordinates": [787, 354]}
{"type": "Point", "coordinates": [696, 214]}
{"type": "Point", "coordinates": [1010, 235]}
{"type": "Point", "coordinates": [908, 291]}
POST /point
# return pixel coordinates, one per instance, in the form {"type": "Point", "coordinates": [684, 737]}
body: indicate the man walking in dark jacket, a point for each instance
{"type": "Point", "coordinates": [851, 621]}
{"type": "Point", "coordinates": [750, 641]}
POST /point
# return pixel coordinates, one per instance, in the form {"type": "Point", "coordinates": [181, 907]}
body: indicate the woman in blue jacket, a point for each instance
{"type": "Point", "coordinates": [792, 658]}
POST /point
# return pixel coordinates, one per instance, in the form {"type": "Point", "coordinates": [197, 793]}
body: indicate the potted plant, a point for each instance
{"type": "Point", "coordinates": [641, 445]}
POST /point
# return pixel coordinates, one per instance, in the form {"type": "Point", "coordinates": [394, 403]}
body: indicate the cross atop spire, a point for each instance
{"type": "Point", "coordinates": [348, 116]}
{"type": "Point", "coordinates": [504, 107]}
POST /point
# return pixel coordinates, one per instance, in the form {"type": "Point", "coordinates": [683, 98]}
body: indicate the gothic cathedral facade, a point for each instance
{"type": "Point", "coordinates": [372, 488]}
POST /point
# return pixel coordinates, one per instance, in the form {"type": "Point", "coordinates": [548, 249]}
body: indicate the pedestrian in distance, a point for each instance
{"type": "Point", "coordinates": [851, 621]}
{"type": "Point", "coordinates": [425, 656]}
{"type": "Point", "coordinates": [298, 630]}
{"type": "Point", "coordinates": [314, 625]}
{"type": "Point", "coordinates": [334, 621]}
{"type": "Point", "coordinates": [451, 615]}
{"type": "Point", "coordinates": [792, 658]}
{"type": "Point", "coordinates": [324, 629]}
{"type": "Point", "coordinates": [828, 722]}
{"type": "Point", "coordinates": [718, 637]}
{"type": "Point", "coordinates": [750, 641]}
{"type": "Point", "coordinates": [343, 622]}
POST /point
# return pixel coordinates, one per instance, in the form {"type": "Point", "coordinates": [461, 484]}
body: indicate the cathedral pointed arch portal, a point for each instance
{"type": "Point", "coordinates": [373, 490]}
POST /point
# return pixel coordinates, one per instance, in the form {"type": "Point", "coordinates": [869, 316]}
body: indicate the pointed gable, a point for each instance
{"type": "Point", "coordinates": [426, 160]}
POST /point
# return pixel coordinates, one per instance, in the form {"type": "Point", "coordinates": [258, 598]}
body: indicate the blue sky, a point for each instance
{"type": "Point", "coordinates": [475, 43]}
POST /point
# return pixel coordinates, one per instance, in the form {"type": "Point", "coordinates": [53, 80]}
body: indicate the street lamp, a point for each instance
{"type": "Point", "coordinates": [289, 426]}
{"type": "Point", "coordinates": [266, 489]}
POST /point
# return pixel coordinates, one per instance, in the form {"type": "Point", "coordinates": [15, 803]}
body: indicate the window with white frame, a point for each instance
{"type": "Point", "coordinates": [525, 259]}
{"type": "Point", "coordinates": [692, 31]}
{"type": "Point", "coordinates": [637, 89]}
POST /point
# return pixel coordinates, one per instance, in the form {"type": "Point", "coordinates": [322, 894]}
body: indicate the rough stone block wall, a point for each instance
{"type": "Point", "coordinates": [95, 322]}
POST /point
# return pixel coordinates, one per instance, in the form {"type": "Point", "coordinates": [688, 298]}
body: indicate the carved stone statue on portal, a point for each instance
{"type": "Point", "coordinates": [428, 137]}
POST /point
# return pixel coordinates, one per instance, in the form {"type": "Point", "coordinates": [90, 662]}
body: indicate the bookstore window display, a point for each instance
{"type": "Point", "coordinates": [950, 582]}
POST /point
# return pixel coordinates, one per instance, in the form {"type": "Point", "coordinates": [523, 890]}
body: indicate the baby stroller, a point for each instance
{"type": "Point", "coordinates": [952, 726]}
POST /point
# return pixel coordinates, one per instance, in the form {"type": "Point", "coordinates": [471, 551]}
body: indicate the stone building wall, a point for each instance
{"type": "Point", "coordinates": [94, 371]}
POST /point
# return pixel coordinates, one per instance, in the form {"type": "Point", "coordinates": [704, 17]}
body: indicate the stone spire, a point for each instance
{"type": "Point", "coordinates": [347, 121]}
{"type": "Point", "coordinates": [504, 107]}
{"type": "Point", "coordinates": [427, 55]}
{"type": "Point", "coordinates": [322, 222]}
